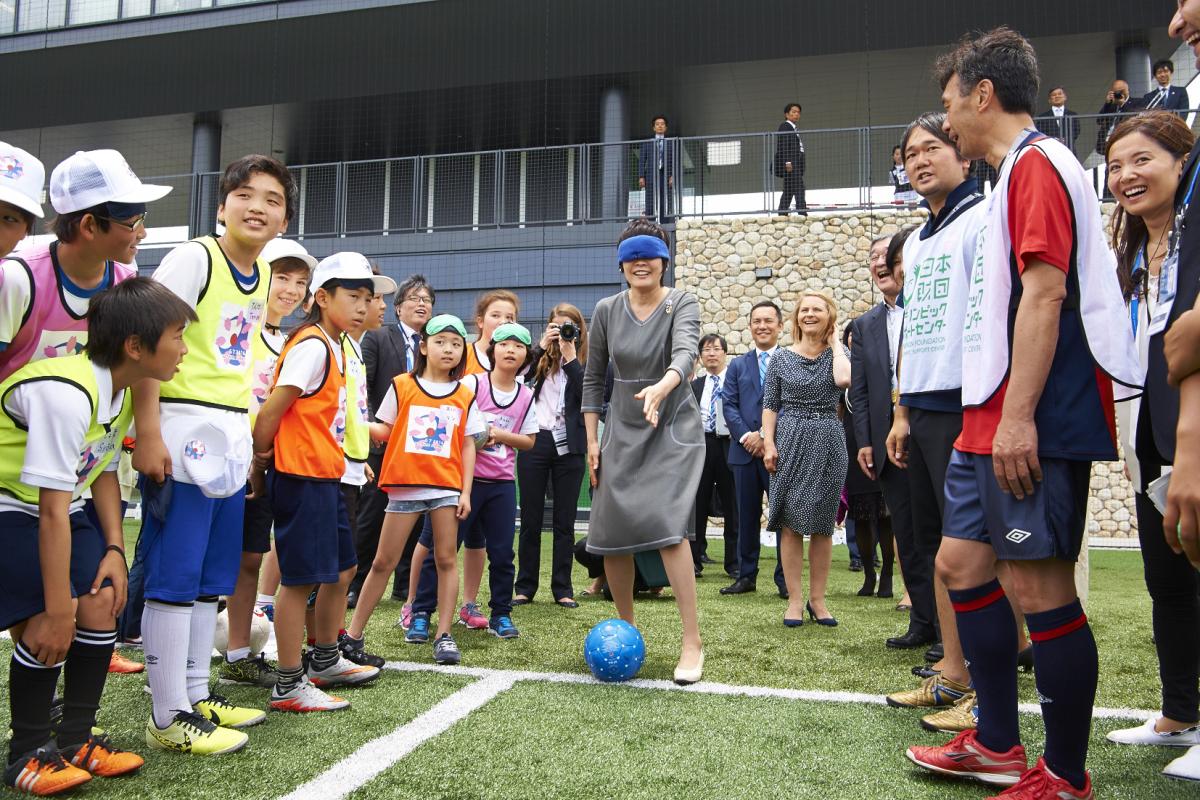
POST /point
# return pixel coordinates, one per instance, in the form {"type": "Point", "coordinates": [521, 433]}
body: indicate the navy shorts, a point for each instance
{"type": "Point", "coordinates": [21, 592]}
{"type": "Point", "coordinates": [1047, 524]}
{"type": "Point", "coordinates": [197, 551]}
{"type": "Point", "coordinates": [472, 538]}
{"type": "Point", "coordinates": [312, 531]}
{"type": "Point", "coordinates": [256, 525]}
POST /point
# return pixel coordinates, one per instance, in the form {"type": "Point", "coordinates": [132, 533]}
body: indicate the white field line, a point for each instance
{"type": "Point", "coordinates": [707, 687]}
{"type": "Point", "coordinates": [358, 768]}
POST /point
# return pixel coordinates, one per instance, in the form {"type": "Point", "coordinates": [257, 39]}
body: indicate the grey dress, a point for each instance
{"type": "Point", "coordinates": [808, 478]}
{"type": "Point", "coordinates": [648, 476]}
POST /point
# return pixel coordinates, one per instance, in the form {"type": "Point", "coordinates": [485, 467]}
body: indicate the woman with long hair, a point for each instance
{"type": "Point", "coordinates": [1145, 156]}
{"type": "Point", "coordinates": [557, 455]}
{"type": "Point", "coordinates": [647, 469]}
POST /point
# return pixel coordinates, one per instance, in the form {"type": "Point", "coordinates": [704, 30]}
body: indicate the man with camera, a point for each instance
{"type": "Point", "coordinates": [1117, 104]}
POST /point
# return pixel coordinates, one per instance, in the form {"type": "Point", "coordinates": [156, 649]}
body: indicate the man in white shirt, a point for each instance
{"type": "Point", "coordinates": [716, 474]}
{"type": "Point", "coordinates": [1058, 121]}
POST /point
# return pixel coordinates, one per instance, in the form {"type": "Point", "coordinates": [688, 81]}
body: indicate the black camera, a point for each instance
{"type": "Point", "coordinates": [1118, 96]}
{"type": "Point", "coordinates": [568, 331]}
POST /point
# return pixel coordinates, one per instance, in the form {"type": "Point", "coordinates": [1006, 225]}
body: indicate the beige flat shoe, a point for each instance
{"type": "Point", "coordinates": [684, 677]}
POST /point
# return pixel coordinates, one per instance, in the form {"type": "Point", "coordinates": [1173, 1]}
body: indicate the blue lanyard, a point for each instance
{"type": "Point", "coordinates": [1138, 265]}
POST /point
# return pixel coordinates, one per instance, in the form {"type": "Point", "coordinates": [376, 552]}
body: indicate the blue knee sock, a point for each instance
{"type": "Point", "coordinates": [988, 634]}
{"type": "Point", "coordinates": [1066, 667]}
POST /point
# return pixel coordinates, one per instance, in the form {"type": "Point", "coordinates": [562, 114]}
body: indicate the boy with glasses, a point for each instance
{"type": "Point", "coordinates": [46, 290]}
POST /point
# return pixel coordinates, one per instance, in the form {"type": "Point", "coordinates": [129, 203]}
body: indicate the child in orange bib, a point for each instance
{"type": "Point", "coordinates": [300, 430]}
{"type": "Point", "coordinates": [430, 421]}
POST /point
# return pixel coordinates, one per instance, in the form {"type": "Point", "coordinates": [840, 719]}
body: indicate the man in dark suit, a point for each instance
{"type": "Point", "coordinates": [741, 399]}
{"type": "Point", "coordinates": [1117, 105]}
{"type": "Point", "coordinates": [656, 175]}
{"type": "Point", "coordinates": [1058, 121]}
{"type": "Point", "coordinates": [387, 352]}
{"type": "Point", "coordinates": [873, 347]}
{"type": "Point", "coordinates": [1166, 97]}
{"type": "Point", "coordinates": [716, 474]}
{"type": "Point", "coordinates": [789, 161]}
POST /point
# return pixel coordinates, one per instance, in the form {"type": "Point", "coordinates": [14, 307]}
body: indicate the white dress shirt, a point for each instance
{"type": "Point", "coordinates": [706, 398]}
{"type": "Point", "coordinates": [895, 324]}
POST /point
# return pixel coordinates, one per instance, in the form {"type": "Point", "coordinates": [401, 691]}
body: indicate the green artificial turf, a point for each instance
{"type": "Point", "coordinates": [601, 742]}
{"type": "Point", "coordinates": [541, 740]}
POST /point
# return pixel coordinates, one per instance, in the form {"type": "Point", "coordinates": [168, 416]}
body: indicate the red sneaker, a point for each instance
{"type": "Point", "coordinates": [964, 757]}
{"type": "Point", "coordinates": [124, 666]}
{"type": "Point", "coordinates": [1040, 783]}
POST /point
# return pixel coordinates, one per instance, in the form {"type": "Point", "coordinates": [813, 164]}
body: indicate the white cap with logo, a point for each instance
{"type": "Point", "coordinates": [349, 267]}
{"type": "Point", "coordinates": [287, 248]}
{"type": "Point", "coordinates": [21, 179]}
{"type": "Point", "coordinates": [92, 177]}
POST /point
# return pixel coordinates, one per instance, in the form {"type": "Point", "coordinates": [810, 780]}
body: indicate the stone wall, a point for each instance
{"type": "Point", "coordinates": [717, 260]}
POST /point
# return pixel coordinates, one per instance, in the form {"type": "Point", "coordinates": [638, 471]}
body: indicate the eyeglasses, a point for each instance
{"type": "Point", "coordinates": [419, 299]}
{"type": "Point", "coordinates": [138, 222]}
{"type": "Point", "coordinates": [714, 349]}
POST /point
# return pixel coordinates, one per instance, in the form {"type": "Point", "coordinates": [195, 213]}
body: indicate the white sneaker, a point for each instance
{"type": "Point", "coordinates": [1186, 767]}
{"type": "Point", "coordinates": [342, 672]}
{"type": "Point", "coordinates": [304, 697]}
{"type": "Point", "coordinates": [1145, 734]}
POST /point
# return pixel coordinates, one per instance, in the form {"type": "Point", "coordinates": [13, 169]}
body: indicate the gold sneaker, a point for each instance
{"type": "Point", "coordinates": [962, 716]}
{"type": "Point", "coordinates": [936, 691]}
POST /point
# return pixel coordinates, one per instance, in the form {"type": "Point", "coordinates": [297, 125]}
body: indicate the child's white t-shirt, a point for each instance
{"type": "Point", "coordinates": [387, 412]}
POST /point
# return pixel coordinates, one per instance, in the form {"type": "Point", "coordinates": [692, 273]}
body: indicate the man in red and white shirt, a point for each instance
{"type": "Point", "coordinates": [1038, 349]}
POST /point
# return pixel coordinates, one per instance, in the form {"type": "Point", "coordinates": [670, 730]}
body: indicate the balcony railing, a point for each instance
{"type": "Point", "coordinates": [27, 16]}
{"type": "Point", "coordinates": [846, 169]}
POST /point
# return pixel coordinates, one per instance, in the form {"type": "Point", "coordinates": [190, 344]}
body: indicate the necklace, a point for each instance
{"type": "Point", "coordinates": [269, 328]}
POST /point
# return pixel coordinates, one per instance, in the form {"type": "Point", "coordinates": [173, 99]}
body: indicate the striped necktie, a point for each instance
{"type": "Point", "coordinates": [763, 360]}
{"type": "Point", "coordinates": [711, 427]}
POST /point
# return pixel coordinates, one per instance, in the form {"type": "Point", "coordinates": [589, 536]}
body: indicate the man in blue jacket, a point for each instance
{"type": "Point", "coordinates": [742, 398]}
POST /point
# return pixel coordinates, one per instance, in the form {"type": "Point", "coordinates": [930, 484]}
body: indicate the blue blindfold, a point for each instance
{"type": "Point", "coordinates": [639, 247]}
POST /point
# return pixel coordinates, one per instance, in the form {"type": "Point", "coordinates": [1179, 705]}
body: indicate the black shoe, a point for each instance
{"type": "Point", "coordinates": [732, 572]}
{"type": "Point", "coordinates": [829, 622]}
{"type": "Point", "coordinates": [522, 601]}
{"type": "Point", "coordinates": [784, 593]}
{"type": "Point", "coordinates": [856, 565]}
{"type": "Point", "coordinates": [1025, 659]}
{"type": "Point", "coordinates": [400, 598]}
{"type": "Point", "coordinates": [885, 585]}
{"type": "Point", "coordinates": [935, 653]}
{"type": "Point", "coordinates": [704, 559]}
{"type": "Point", "coordinates": [699, 570]}
{"type": "Point", "coordinates": [910, 641]}
{"type": "Point", "coordinates": [352, 600]}
{"type": "Point", "coordinates": [925, 671]}
{"type": "Point", "coordinates": [355, 653]}
{"type": "Point", "coordinates": [868, 587]}
{"type": "Point", "coordinates": [740, 586]}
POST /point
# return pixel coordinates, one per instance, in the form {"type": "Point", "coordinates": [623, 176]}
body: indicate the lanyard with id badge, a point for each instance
{"type": "Point", "coordinates": [1168, 276]}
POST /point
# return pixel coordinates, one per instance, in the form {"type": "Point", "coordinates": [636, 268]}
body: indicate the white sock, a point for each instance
{"type": "Point", "coordinates": [237, 655]}
{"type": "Point", "coordinates": [265, 600]}
{"type": "Point", "coordinates": [165, 630]}
{"type": "Point", "coordinates": [200, 648]}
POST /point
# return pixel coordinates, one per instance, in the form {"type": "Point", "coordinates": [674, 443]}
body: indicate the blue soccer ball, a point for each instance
{"type": "Point", "coordinates": [614, 650]}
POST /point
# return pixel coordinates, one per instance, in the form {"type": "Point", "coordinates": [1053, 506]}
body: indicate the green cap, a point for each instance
{"type": "Point", "coordinates": [443, 321]}
{"type": "Point", "coordinates": [511, 330]}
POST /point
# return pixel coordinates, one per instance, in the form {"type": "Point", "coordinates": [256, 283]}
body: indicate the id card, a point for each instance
{"type": "Point", "coordinates": [1168, 281]}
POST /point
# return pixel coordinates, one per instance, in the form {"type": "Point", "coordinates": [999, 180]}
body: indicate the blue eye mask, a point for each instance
{"type": "Point", "coordinates": [639, 247]}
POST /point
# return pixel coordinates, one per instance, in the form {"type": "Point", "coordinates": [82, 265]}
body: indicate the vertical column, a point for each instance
{"type": "Point", "coordinates": [206, 157]}
{"type": "Point", "coordinates": [1133, 66]}
{"type": "Point", "coordinates": [614, 126]}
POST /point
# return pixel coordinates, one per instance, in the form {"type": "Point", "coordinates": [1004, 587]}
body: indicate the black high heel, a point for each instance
{"type": "Point", "coordinates": [829, 622]}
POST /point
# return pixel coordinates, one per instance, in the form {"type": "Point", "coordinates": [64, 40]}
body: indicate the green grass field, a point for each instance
{"type": "Point", "coordinates": [542, 739]}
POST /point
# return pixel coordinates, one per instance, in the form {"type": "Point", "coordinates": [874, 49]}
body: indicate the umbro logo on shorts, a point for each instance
{"type": "Point", "coordinates": [1016, 535]}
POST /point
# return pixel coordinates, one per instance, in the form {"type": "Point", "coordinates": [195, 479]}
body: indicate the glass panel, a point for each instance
{"type": "Point", "coordinates": [135, 8]}
{"type": "Point", "coordinates": [36, 15]}
{"type": "Point", "coordinates": [86, 11]}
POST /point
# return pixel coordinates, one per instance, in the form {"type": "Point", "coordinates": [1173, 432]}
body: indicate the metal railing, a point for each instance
{"type": "Point", "coordinates": [28, 16]}
{"type": "Point", "coordinates": [845, 169]}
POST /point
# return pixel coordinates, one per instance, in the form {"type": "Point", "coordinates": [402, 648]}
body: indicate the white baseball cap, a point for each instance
{"type": "Point", "coordinates": [21, 179]}
{"type": "Point", "coordinates": [287, 248]}
{"type": "Point", "coordinates": [215, 460]}
{"type": "Point", "coordinates": [349, 267]}
{"type": "Point", "coordinates": [92, 177]}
